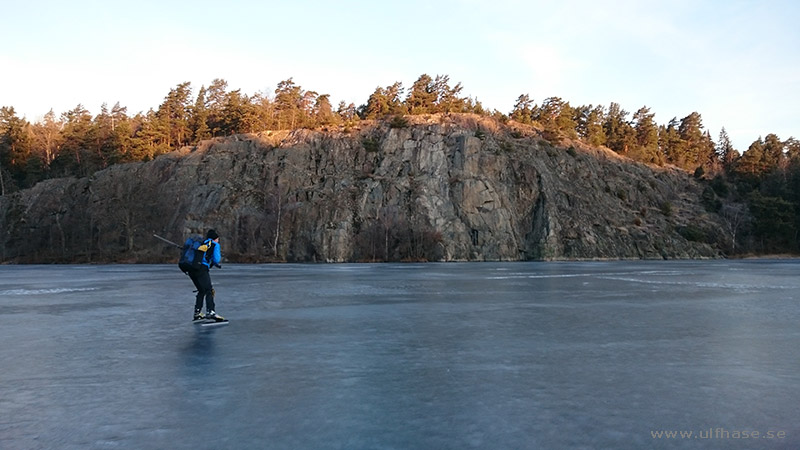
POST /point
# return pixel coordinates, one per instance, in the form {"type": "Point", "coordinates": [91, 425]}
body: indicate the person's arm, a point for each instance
{"type": "Point", "coordinates": [217, 258]}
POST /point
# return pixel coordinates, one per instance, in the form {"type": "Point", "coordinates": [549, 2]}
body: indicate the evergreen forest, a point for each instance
{"type": "Point", "coordinates": [757, 190]}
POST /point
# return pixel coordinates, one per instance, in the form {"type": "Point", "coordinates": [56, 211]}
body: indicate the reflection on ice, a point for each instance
{"type": "Point", "coordinates": [43, 291]}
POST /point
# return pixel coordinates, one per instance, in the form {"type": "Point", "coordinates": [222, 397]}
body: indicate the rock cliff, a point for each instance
{"type": "Point", "coordinates": [452, 187]}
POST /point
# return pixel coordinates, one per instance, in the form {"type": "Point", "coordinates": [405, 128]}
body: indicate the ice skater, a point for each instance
{"type": "Point", "coordinates": [207, 255]}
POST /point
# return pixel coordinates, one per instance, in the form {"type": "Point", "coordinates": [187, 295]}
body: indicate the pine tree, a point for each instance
{"type": "Point", "coordinates": [447, 98]}
{"type": "Point", "coordinates": [394, 97]}
{"type": "Point", "coordinates": [671, 144]}
{"type": "Point", "coordinates": [377, 105]}
{"type": "Point", "coordinates": [698, 146]}
{"type": "Point", "coordinates": [150, 137]}
{"type": "Point", "coordinates": [307, 102]}
{"type": "Point", "coordinates": [384, 102]}
{"type": "Point", "coordinates": [422, 97]}
{"type": "Point", "coordinates": [522, 109]}
{"type": "Point", "coordinates": [15, 149]}
{"type": "Point", "coordinates": [174, 115]}
{"type": "Point", "coordinates": [74, 158]}
{"type": "Point", "coordinates": [120, 143]}
{"type": "Point", "coordinates": [323, 111]}
{"type": "Point", "coordinates": [792, 149]}
{"type": "Point", "coordinates": [239, 115]}
{"type": "Point", "coordinates": [774, 157]}
{"type": "Point", "coordinates": [752, 161]}
{"type": "Point", "coordinates": [725, 151]}
{"type": "Point", "coordinates": [288, 98]}
{"type": "Point", "coordinates": [565, 121]}
{"type": "Point", "coordinates": [619, 133]}
{"type": "Point", "coordinates": [199, 118]}
{"type": "Point", "coordinates": [216, 96]}
{"type": "Point", "coordinates": [347, 113]}
{"type": "Point", "coordinates": [646, 141]}
{"type": "Point", "coordinates": [265, 111]}
{"type": "Point", "coordinates": [102, 138]}
{"type": "Point", "coordinates": [47, 139]}
{"type": "Point", "coordinates": [595, 134]}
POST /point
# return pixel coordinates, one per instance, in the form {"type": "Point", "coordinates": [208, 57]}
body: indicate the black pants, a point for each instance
{"type": "Point", "coordinates": [202, 281]}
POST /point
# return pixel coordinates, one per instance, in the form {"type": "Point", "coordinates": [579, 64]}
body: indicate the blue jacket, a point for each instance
{"type": "Point", "coordinates": [216, 257]}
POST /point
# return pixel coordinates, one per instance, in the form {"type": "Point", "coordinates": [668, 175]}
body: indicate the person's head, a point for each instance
{"type": "Point", "coordinates": [212, 234]}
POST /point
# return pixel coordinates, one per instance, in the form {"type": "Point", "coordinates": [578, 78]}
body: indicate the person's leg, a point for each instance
{"type": "Point", "coordinates": [210, 298]}
{"type": "Point", "coordinates": [206, 289]}
{"type": "Point", "coordinates": [198, 301]}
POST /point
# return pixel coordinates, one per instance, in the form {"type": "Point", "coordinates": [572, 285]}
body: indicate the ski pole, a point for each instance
{"type": "Point", "coordinates": [167, 241]}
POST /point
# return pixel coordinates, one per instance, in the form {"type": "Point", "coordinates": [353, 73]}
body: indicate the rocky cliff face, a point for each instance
{"type": "Point", "coordinates": [438, 188]}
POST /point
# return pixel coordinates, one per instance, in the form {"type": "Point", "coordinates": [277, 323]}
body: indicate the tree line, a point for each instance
{"type": "Point", "coordinates": [684, 143]}
{"type": "Point", "coordinates": [78, 144]}
{"type": "Point", "coordinates": [765, 177]}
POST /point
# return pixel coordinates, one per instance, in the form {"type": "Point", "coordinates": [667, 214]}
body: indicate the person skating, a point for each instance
{"type": "Point", "coordinates": [210, 255]}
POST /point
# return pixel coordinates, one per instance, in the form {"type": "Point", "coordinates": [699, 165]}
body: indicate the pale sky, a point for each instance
{"type": "Point", "coordinates": [737, 63]}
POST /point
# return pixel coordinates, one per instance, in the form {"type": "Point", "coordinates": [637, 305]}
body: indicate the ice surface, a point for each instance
{"type": "Point", "coordinates": [402, 356]}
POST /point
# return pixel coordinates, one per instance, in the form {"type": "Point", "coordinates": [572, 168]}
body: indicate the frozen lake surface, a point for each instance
{"type": "Point", "coordinates": [403, 356]}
